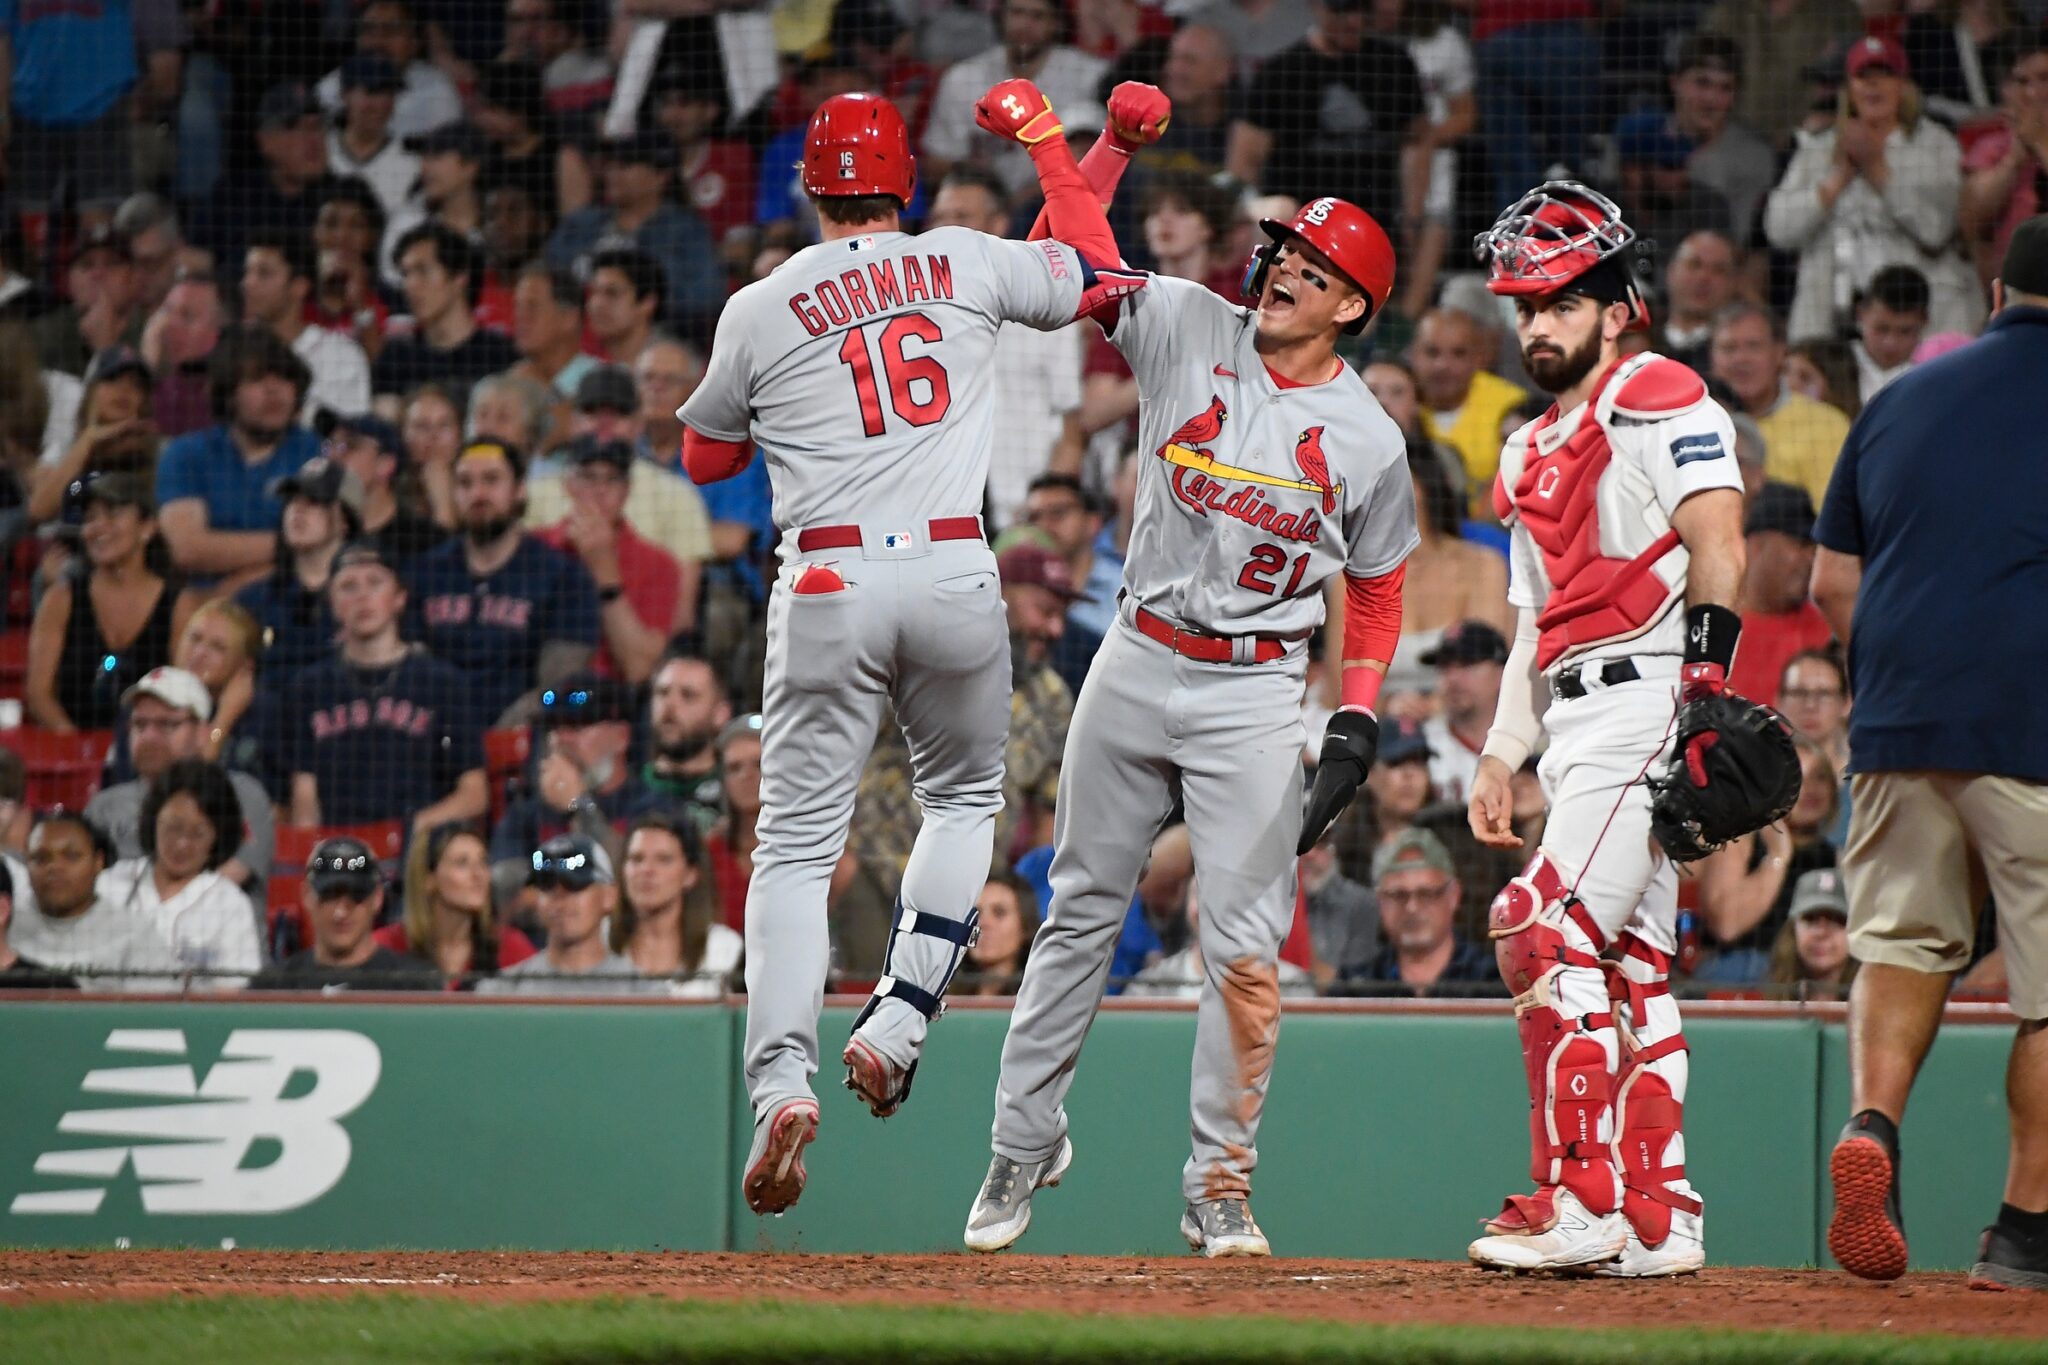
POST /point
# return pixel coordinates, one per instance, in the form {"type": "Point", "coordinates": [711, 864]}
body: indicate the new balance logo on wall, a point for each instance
{"type": "Point", "coordinates": [188, 1153]}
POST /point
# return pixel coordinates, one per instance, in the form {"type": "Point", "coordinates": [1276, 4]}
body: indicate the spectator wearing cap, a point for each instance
{"type": "Point", "coordinates": [112, 431]}
{"type": "Point", "coordinates": [1931, 569]}
{"type": "Point", "coordinates": [19, 973]}
{"type": "Point", "coordinates": [442, 273]}
{"type": "Point", "coordinates": [1877, 188]}
{"type": "Point", "coordinates": [1779, 620]}
{"type": "Point", "coordinates": [1416, 886]}
{"type": "Point", "coordinates": [277, 280]}
{"type": "Point", "coordinates": [514, 616]}
{"type": "Point", "coordinates": [219, 517]}
{"type": "Point", "coordinates": [2005, 171]}
{"type": "Point", "coordinates": [168, 714]}
{"type": "Point", "coordinates": [1701, 137]}
{"type": "Point", "coordinates": [64, 103]}
{"type": "Point", "coordinates": [1698, 283]}
{"type": "Point", "coordinates": [283, 191]}
{"type": "Point", "coordinates": [64, 923]}
{"type": "Point", "coordinates": [380, 730]}
{"type": "Point", "coordinates": [1777, 41]}
{"type": "Point", "coordinates": [343, 897]}
{"type": "Point", "coordinates": [516, 228]}
{"type": "Point", "coordinates": [1343, 919]}
{"type": "Point", "coordinates": [647, 597]}
{"type": "Point", "coordinates": [583, 784]}
{"type": "Point", "coordinates": [577, 892]}
{"type": "Point", "coordinates": [1811, 954]}
{"type": "Point", "coordinates": [448, 919]}
{"type": "Point", "coordinates": [178, 344]}
{"type": "Point", "coordinates": [1032, 46]}
{"type": "Point", "coordinates": [662, 504]}
{"type": "Point", "coordinates": [371, 449]}
{"type": "Point", "coordinates": [637, 211]}
{"type": "Point", "coordinates": [106, 622]}
{"type": "Point", "coordinates": [547, 331]}
{"type": "Point", "coordinates": [1463, 401]}
{"type": "Point", "coordinates": [450, 190]}
{"type": "Point", "coordinates": [188, 828]}
{"type": "Point", "coordinates": [1891, 317]}
{"type": "Point", "coordinates": [1469, 659]}
{"type": "Point", "coordinates": [105, 307]}
{"type": "Point", "coordinates": [393, 30]}
{"type": "Point", "coordinates": [1801, 437]}
{"type": "Point", "coordinates": [323, 510]}
{"type": "Point", "coordinates": [544, 32]}
{"type": "Point", "coordinates": [623, 301]}
{"type": "Point", "coordinates": [687, 707]}
{"type": "Point", "coordinates": [730, 845]}
{"type": "Point", "coordinates": [363, 144]}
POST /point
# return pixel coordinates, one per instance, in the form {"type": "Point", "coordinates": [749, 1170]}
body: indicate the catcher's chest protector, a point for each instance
{"type": "Point", "coordinates": [1614, 564]}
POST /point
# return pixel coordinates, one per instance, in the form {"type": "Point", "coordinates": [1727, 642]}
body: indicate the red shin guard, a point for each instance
{"type": "Point", "coordinates": [1649, 1114]}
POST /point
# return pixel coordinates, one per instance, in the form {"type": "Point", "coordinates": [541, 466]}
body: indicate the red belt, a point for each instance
{"type": "Point", "coordinates": [848, 537]}
{"type": "Point", "coordinates": [1209, 649]}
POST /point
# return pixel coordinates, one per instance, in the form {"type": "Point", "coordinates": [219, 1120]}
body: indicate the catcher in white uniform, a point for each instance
{"type": "Point", "coordinates": [1625, 507]}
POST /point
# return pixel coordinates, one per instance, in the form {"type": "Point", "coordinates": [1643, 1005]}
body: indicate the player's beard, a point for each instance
{"type": "Point", "coordinates": [1553, 372]}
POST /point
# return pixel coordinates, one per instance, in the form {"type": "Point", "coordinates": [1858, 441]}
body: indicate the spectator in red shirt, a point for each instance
{"type": "Point", "coordinates": [730, 845]}
{"type": "Point", "coordinates": [448, 922]}
{"type": "Point", "coordinates": [647, 595]}
{"type": "Point", "coordinates": [1779, 619]}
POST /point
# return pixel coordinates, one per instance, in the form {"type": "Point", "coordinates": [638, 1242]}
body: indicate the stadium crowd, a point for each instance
{"type": "Point", "coordinates": [363, 627]}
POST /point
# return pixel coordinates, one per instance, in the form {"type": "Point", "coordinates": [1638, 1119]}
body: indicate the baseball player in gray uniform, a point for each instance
{"type": "Point", "coordinates": [862, 367]}
{"type": "Point", "coordinates": [1266, 467]}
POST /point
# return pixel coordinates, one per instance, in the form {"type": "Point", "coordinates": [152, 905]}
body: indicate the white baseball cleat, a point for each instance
{"type": "Point", "coordinates": [1682, 1252]}
{"type": "Point", "coordinates": [1223, 1227]}
{"type": "Point", "coordinates": [775, 1168]}
{"type": "Point", "coordinates": [1576, 1237]}
{"type": "Point", "coordinates": [1002, 1211]}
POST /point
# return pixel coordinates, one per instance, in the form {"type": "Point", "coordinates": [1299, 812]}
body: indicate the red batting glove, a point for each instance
{"type": "Point", "coordinates": [1138, 115]}
{"type": "Point", "coordinates": [1019, 111]}
{"type": "Point", "coordinates": [1702, 680]}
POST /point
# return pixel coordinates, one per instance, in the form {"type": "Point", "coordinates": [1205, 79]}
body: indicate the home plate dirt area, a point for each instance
{"type": "Point", "coordinates": [1351, 1291]}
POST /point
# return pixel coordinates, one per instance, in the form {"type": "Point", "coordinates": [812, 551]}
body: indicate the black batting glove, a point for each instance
{"type": "Point", "coordinates": [1349, 743]}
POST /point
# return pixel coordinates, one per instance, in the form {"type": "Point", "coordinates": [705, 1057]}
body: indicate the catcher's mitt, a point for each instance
{"type": "Point", "coordinates": [1733, 770]}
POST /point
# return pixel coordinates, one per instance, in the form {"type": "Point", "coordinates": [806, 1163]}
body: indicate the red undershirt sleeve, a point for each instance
{"type": "Point", "coordinates": [1372, 629]}
{"type": "Point", "coordinates": [708, 459]}
{"type": "Point", "coordinates": [1102, 167]}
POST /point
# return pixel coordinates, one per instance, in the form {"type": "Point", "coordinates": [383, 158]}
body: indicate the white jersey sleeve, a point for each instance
{"type": "Point", "coordinates": [1038, 284]}
{"type": "Point", "coordinates": [1154, 324]}
{"type": "Point", "coordinates": [721, 407]}
{"type": "Point", "coordinates": [1685, 454]}
{"type": "Point", "coordinates": [1385, 532]}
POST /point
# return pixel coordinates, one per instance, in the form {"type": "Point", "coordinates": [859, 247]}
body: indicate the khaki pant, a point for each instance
{"type": "Point", "coordinates": [1923, 849]}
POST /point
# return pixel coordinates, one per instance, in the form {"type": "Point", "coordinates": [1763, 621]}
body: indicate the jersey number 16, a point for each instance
{"type": "Point", "coordinates": [900, 370]}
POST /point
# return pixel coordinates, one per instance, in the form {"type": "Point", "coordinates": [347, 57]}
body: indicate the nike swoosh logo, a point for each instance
{"type": "Point", "coordinates": [1224, 373]}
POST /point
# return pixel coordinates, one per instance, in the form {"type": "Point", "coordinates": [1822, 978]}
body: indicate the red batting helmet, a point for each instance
{"type": "Point", "coordinates": [1345, 233]}
{"type": "Point", "coordinates": [1563, 237]}
{"type": "Point", "coordinates": [858, 144]}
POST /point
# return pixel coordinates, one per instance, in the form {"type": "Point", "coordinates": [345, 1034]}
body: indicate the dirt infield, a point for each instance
{"type": "Point", "coordinates": [1356, 1291]}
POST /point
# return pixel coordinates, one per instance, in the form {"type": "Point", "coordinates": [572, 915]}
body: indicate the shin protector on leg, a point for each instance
{"type": "Point", "coordinates": [1649, 1094]}
{"type": "Point", "coordinates": [1548, 948]}
{"type": "Point", "coordinates": [927, 999]}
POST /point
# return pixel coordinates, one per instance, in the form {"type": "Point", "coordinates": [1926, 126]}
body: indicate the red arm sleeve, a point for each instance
{"type": "Point", "coordinates": [708, 460]}
{"type": "Point", "coordinates": [1372, 628]}
{"type": "Point", "coordinates": [1072, 214]}
{"type": "Point", "coordinates": [1102, 167]}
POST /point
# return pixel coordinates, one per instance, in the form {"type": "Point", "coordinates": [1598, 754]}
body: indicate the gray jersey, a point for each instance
{"type": "Point", "coordinates": [1250, 495]}
{"type": "Point", "coordinates": [862, 367]}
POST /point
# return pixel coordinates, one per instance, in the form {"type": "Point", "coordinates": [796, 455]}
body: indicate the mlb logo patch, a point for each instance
{"type": "Point", "coordinates": [846, 166]}
{"type": "Point", "coordinates": [897, 540]}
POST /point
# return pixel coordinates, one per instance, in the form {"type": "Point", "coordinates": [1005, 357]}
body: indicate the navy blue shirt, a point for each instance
{"type": "Point", "coordinates": [381, 742]}
{"type": "Point", "coordinates": [493, 628]}
{"type": "Point", "coordinates": [1942, 490]}
{"type": "Point", "coordinates": [298, 626]}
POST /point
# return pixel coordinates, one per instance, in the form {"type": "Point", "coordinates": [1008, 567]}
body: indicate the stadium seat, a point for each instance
{"type": "Point", "coordinates": [13, 662]}
{"type": "Point", "coordinates": [21, 572]}
{"type": "Point", "coordinates": [295, 844]}
{"type": "Point", "coordinates": [62, 769]}
{"type": "Point", "coordinates": [506, 752]}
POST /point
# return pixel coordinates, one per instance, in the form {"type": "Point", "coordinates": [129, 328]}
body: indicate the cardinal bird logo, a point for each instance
{"type": "Point", "coordinates": [1204, 427]}
{"type": "Point", "coordinates": [1308, 456]}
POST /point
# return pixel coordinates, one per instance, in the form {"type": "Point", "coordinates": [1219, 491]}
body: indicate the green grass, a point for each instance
{"type": "Point", "coordinates": [427, 1331]}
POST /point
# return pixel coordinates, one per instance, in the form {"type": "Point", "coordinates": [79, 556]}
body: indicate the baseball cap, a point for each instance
{"type": "Point", "coordinates": [515, 87]}
{"type": "Point", "coordinates": [115, 488]}
{"type": "Point", "coordinates": [1402, 741]}
{"type": "Point", "coordinates": [607, 387]}
{"type": "Point", "coordinates": [370, 71]}
{"type": "Point", "coordinates": [114, 361]}
{"type": "Point", "coordinates": [175, 688]}
{"type": "Point", "coordinates": [574, 861]}
{"type": "Point", "coordinates": [643, 147]}
{"type": "Point", "coordinates": [1873, 50]}
{"type": "Point", "coordinates": [1467, 642]}
{"type": "Point", "coordinates": [1653, 141]}
{"type": "Point", "coordinates": [585, 700]}
{"type": "Point", "coordinates": [370, 428]}
{"type": "Point", "coordinates": [367, 550]}
{"type": "Point", "coordinates": [2025, 267]}
{"type": "Point", "coordinates": [1026, 564]}
{"type": "Point", "coordinates": [489, 449]}
{"type": "Point", "coordinates": [285, 104]}
{"type": "Point", "coordinates": [1412, 848]}
{"type": "Point", "coordinates": [460, 138]}
{"type": "Point", "coordinates": [343, 866]}
{"type": "Point", "coordinates": [324, 481]}
{"type": "Point", "coordinates": [587, 449]}
{"type": "Point", "coordinates": [1820, 892]}
{"type": "Point", "coordinates": [1782, 507]}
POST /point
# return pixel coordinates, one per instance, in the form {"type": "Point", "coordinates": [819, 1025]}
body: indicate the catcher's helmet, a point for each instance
{"type": "Point", "coordinates": [858, 144]}
{"type": "Point", "coordinates": [1345, 233]}
{"type": "Point", "coordinates": [1563, 237]}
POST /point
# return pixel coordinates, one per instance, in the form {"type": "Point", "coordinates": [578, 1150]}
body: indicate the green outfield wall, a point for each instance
{"type": "Point", "coordinates": [458, 1125]}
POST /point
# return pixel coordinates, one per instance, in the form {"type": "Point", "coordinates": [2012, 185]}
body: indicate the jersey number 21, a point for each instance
{"type": "Point", "coordinates": [900, 371]}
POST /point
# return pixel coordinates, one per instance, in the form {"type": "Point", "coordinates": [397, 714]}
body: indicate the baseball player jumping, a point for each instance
{"type": "Point", "coordinates": [862, 368]}
{"type": "Point", "coordinates": [1625, 503]}
{"type": "Point", "coordinates": [1267, 467]}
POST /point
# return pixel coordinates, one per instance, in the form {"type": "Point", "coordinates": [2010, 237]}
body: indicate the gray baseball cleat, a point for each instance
{"type": "Point", "coordinates": [775, 1167]}
{"type": "Point", "coordinates": [1223, 1227]}
{"type": "Point", "coordinates": [1002, 1210]}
